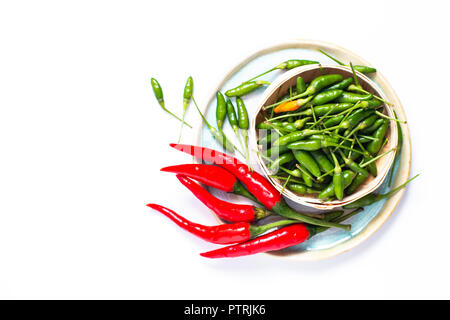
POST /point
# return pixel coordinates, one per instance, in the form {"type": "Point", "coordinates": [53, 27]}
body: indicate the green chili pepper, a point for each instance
{"type": "Point", "coordinates": [300, 86]}
{"type": "Point", "coordinates": [330, 108]}
{"type": "Point", "coordinates": [356, 183]}
{"type": "Point", "coordinates": [326, 96]}
{"type": "Point", "coordinates": [295, 136]}
{"type": "Point", "coordinates": [308, 162]}
{"type": "Point", "coordinates": [245, 88]}
{"type": "Point", "coordinates": [233, 120]}
{"type": "Point", "coordinates": [378, 122]}
{"type": "Point", "coordinates": [188, 90]}
{"type": "Point", "coordinates": [319, 83]}
{"type": "Point", "coordinates": [399, 146]}
{"type": "Point", "coordinates": [301, 189]}
{"type": "Point", "coordinates": [323, 137]}
{"type": "Point", "coordinates": [231, 114]}
{"type": "Point", "coordinates": [282, 159]}
{"type": "Point", "coordinates": [351, 97]}
{"type": "Point", "coordinates": [300, 123]}
{"type": "Point", "coordinates": [157, 90]}
{"type": "Point", "coordinates": [354, 118]}
{"type": "Point", "coordinates": [221, 110]}
{"type": "Point", "coordinates": [363, 124]}
{"type": "Point", "coordinates": [243, 124]}
{"type": "Point", "coordinates": [312, 145]}
{"type": "Point", "coordinates": [334, 121]}
{"type": "Point", "coordinates": [281, 128]}
{"type": "Point", "coordinates": [372, 167]}
{"type": "Point", "coordinates": [362, 69]}
{"type": "Point", "coordinates": [276, 151]}
{"type": "Point", "coordinates": [374, 103]}
{"type": "Point", "coordinates": [338, 179]}
{"type": "Point", "coordinates": [343, 85]}
{"type": "Point", "coordinates": [306, 176]}
{"type": "Point", "coordinates": [187, 94]}
{"type": "Point", "coordinates": [290, 127]}
{"type": "Point", "coordinates": [322, 160]}
{"type": "Point", "coordinates": [329, 191]}
{"type": "Point", "coordinates": [353, 165]}
{"type": "Point", "coordinates": [294, 63]}
{"type": "Point", "coordinates": [263, 125]}
{"type": "Point", "coordinates": [374, 146]}
{"type": "Point", "coordinates": [371, 198]}
{"type": "Point", "coordinates": [267, 139]}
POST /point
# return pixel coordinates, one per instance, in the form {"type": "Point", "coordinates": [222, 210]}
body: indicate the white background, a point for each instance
{"type": "Point", "coordinates": [82, 140]}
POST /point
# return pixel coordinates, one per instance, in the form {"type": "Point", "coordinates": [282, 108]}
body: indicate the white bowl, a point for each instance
{"type": "Point", "coordinates": [279, 88]}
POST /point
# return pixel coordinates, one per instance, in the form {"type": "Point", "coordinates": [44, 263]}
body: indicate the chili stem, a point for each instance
{"type": "Point", "coordinates": [397, 188]}
{"type": "Point", "coordinates": [364, 164]}
{"type": "Point", "coordinates": [389, 118]}
{"type": "Point", "coordinates": [285, 184]}
{"type": "Point", "coordinates": [332, 58]}
{"type": "Point", "coordinates": [211, 128]}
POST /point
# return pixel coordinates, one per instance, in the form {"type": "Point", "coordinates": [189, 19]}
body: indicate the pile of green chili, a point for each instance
{"type": "Point", "coordinates": [324, 137]}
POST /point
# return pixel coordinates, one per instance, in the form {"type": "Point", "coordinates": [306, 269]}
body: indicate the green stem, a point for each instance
{"type": "Point", "coordinates": [355, 78]}
{"type": "Point", "coordinates": [305, 172]}
{"type": "Point", "coordinates": [399, 147]}
{"type": "Point", "coordinates": [257, 230]}
{"type": "Point", "coordinates": [332, 58]}
{"type": "Point", "coordinates": [364, 164]}
{"type": "Point", "coordinates": [367, 137]}
{"type": "Point", "coordinates": [162, 104]}
{"type": "Point", "coordinates": [390, 193]}
{"type": "Point", "coordinates": [217, 134]}
{"type": "Point", "coordinates": [284, 210]}
{"type": "Point", "coordinates": [262, 74]}
{"type": "Point", "coordinates": [389, 118]}
{"type": "Point", "coordinates": [285, 184]}
{"type": "Point", "coordinates": [317, 230]}
{"type": "Point", "coordinates": [185, 106]}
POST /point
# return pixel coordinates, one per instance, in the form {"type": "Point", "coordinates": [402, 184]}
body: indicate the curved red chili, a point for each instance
{"type": "Point", "coordinates": [212, 176]}
{"type": "Point", "coordinates": [255, 183]}
{"type": "Point", "coordinates": [226, 210]}
{"type": "Point", "coordinates": [275, 240]}
{"type": "Point", "coordinates": [220, 234]}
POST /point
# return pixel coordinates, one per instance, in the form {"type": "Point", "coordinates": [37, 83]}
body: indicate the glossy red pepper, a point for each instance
{"type": "Point", "coordinates": [212, 176]}
{"type": "Point", "coordinates": [220, 234]}
{"type": "Point", "coordinates": [275, 240]}
{"type": "Point", "coordinates": [255, 183]}
{"type": "Point", "coordinates": [225, 210]}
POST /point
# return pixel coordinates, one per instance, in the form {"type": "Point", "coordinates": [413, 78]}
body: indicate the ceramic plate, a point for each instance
{"type": "Point", "coordinates": [333, 241]}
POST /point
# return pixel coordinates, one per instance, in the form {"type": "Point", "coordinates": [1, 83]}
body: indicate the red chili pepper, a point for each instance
{"type": "Point", "coordinates": [212, 176]}
{"type": "Point", "coordinates": [220, 234]}
{"type": "Point", "coordinates": [275, 240]}
{"type": "Point", "coordinates": [226, 210]}
{"type": "Point", "coordinates": [255, 183]}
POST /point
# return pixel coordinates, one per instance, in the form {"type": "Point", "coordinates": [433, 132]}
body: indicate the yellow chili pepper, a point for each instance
{"type": "Point", "coordinates": [291, 105]}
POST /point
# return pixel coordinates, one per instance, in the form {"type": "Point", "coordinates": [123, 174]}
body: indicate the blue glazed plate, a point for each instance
{"type": "Point", "coordinates": [333, 241]}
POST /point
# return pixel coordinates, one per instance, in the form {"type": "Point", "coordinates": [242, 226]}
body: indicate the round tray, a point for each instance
{"type": "Point", "coordinates": [333, 241]}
